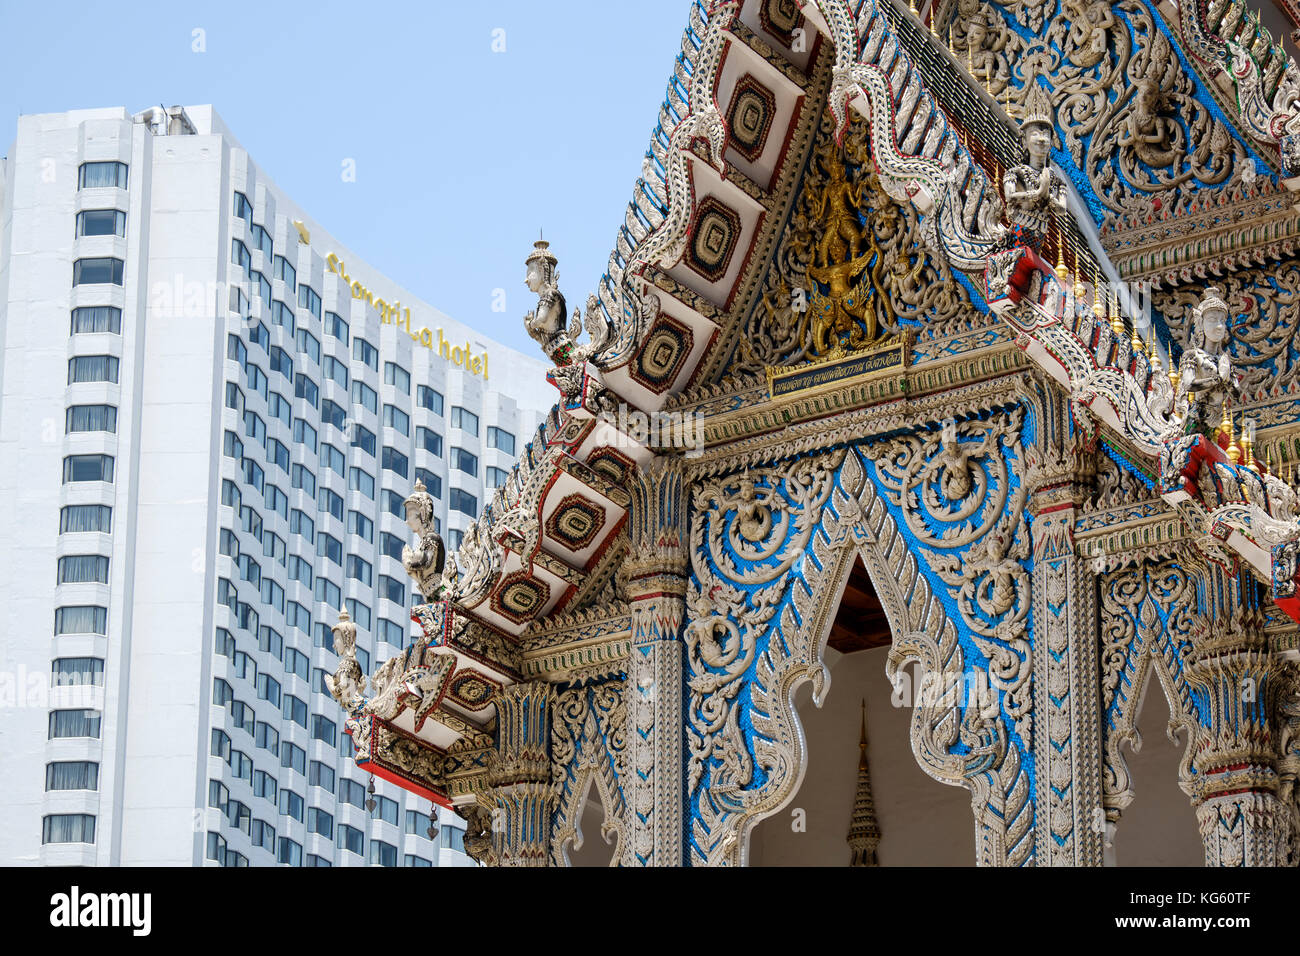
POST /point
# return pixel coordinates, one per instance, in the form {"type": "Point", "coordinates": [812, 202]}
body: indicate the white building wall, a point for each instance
{"type": "Point", "coordinates": [162, 658]}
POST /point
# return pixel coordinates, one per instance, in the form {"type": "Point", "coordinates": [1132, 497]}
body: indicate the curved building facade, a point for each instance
{"type": "Point", "coordinates": [211, 412]}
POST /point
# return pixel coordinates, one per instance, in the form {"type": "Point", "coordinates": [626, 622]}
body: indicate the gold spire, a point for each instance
{"type": "Point", "coordinates": [864, 831]}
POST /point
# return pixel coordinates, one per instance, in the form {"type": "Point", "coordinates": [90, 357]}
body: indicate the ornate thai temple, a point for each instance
{"type": "Point", "coordinates": [957, 340]}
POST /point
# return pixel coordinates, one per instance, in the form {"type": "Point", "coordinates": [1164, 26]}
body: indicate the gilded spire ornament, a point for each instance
{"type": "Point", "coordinates": [864, 831]}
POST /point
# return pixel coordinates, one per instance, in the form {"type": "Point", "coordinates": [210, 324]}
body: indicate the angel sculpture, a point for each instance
{"type": "Point", "coordinates": [546, 323]}
{"type": "Point", "coordinates": [426, 561]}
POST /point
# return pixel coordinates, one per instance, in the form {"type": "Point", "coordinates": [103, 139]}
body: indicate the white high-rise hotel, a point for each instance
{"type": "Point", "coordinates": [210, 413]}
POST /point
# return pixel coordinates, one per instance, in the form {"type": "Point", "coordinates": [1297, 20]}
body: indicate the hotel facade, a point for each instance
{"type": "Point", "coordinates": [210, 414]}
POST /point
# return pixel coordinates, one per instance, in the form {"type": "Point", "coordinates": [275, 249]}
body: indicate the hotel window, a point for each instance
{"type": "Point", "coordinates": [254, 427]}
{"type": "Point", "coordinates": [218, 796]}
{"type": "Point", "coordinates": [281, 269]}
{"type": "Point", "coordinates": [321, 775]}
{"type": "Point", "coordinates": [296, 615]}
{"type": "Point", "coordinates": [253, 475]}
{"type": "Point", "coordinates": [335, 370]}
{"type": "Point", "coordinates": [282, 316]}
{"type": "Point", "coordinates": [250, 522]}
{"type": "Point", "coordinates": [235, 860]}
{"type": "Point", "coordinates": [238, 302]}
{"type": "Point", "coordinates": [496, 477]}
{"type": "Point", "coordinates": [429, 398]}
{"type": "Point", "coordinates": [318, 821]}
{"type": "Point", "coordinates": [101, 222]}
{"type": "Point", "coordinates": [391, 632]}
{"type": "Point", "coordinates": [351, 791]}
{"type": "Point", "coordinates": [262, 834]}
{"type": "Point", "coordinates": [292, 805]}
{"type": "Point", "coordinates": [262, 240]}
{"type": "Point", "coordinates": [92, 418]}
{"type": "Point", "coordinates": [309, 300]}
{"type": "Point", "coordinates": [260, 336]}
{"type": "Point", "coordinates": [104, 270]}
{"type": "Point", "coordinates": [363, 351]}
{"type": "Point", "coordinates": [329, 547]}
{"type": "Point", "coordinates": [290, 853]}
{"type": "Point", "coordinates": [302, 478]}
{"type": "Point", "coordinates": [72, 775]}
{"type": "Point", "coordinates": [464, 502]}
{"type": "Point", "coordinates": [278, 453]}
{"type": "Point", "coordinates": [464, 419]}
{"type": "Point", "coordinates": [364, 395]}
{"type": "Point", "coordinates": [383, 854]}
{"type": "Point", "coordinates": [386, 810]}
{"type": "Point", "coordinates": [295, 710]}
{"type": "Point", "coordinates": [395, 461]}
{"type": "Point", "coordinates": [304, 434]}
{"type": "Point", "coordinates": [412, 860]}
{"type": "Point", "coordinates": [332, 413]}
{"type": "Point", "coordinates": [256, 379]}
{"type": "Point", "coordinates": [393, 503]}
{"type": "Point", "coordinates": [81, 619]}
{"type": "Point", "coordinates": [268, 738]}
{"type": "Point", "coordinates": [335, 326]}
{"type": "Point", "coordinates": [240, 256]}
{"type": "Point", "coordinates": [360, 613]}
{"type": "Point", "coordinates": [306, 389]}
{"type": "Point", "coordinates": [363, 438]}
{"type": "Point", "coordinates": [74, 518]}
{"type": "Point", "coordinates": [392, 589]}
{"type": "Point", "coordinates": [92, 368]}
{"type": "Point", "coordinates": [432, 482]}
{"type": "Point", "coordinates": [324, 729]}
{"type": "Point", "coordinates": [280, 408]}
{"type": "Point", "coordinates": [101, 175]}
{"type": "Point", "coordinates": [263, 289]}
{"type": "Point", "coordinates": [280, 362]}
{"type": "Point", "coordinates": [429, 440]}
{"type": "Point", "coordinates": [264, 785]}
{"type": "Point", "coordinates": [327, 592]}
{"type": "Point", "coordinates": [309, 345]}
{"type": "Point", "coordinates": [296, 662]}
{"type": "Point", "coordinates": [87, 468]}
{"type": "Point", "coordinates": [231, 446]}
{"type": "Point", "coordinates": [330, 503]}
{"type": "Point", "coordinates": [216, 849]}
{"type": "Point", "coordinates": [97, 318]}
{"type": "Point", "coordinates": [74, 723]}
{"type": "Point", "coordinates": [359, 569]}
{"type": "Point", "coordinates": [235, 397]}
{"type": "Point", "coordinates": [397, 377]}
{"type": "Point", "coordinates": [391, 545]}
{"type": "Point", "coordinates": [273, 595]}
{"type": "Point", "coordinates": [293, 757]}
{"type": "Point", "coordinates": [83, 569]}
{"type": "Point", "coordinates": [236, 351]}
{"type": "Point", "coordinates": [464, 461]}
{"type": "Point", "coordinates": [77, 672]}
{"type": "Point", "coordinates": [454, 839]}
{"type": "Point", "coordinates": [397, 419]}
{"type": "Point", "coordinates": [299, 523]}
{"type": "Point", "coordinates": [300, 571]}
{"type": "Point", "coordinates": [68, 827]}
{"type": "Point", "coordinates": [314, 860]}
{"type": "Point", "coordinates": [500, 438]}
{"type": "Point", "coordinates": [243, 208]}
{"type": "Point", "coordinates": [361, 526]}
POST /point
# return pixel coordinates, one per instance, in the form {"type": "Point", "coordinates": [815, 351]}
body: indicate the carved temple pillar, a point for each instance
{"type": "Point", "coordinates": [654, 576]}
{"type": "Point", "coordinates": [519, 776]}
{"type": "Point", "coordinates": [1071, 827]}
{"type": "Point", "coordinates": [1243, 821]}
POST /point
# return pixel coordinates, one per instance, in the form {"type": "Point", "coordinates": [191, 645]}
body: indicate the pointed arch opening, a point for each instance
{"type": "Point", "coordinates": [920, 821]}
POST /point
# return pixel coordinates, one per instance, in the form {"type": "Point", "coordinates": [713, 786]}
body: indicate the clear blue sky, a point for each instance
{"type": "Point", "coordinates": [461, 153]}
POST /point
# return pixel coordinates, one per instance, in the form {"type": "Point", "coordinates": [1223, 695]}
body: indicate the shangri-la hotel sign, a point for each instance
{"type": "Point", "coordinates": [393, 313]}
